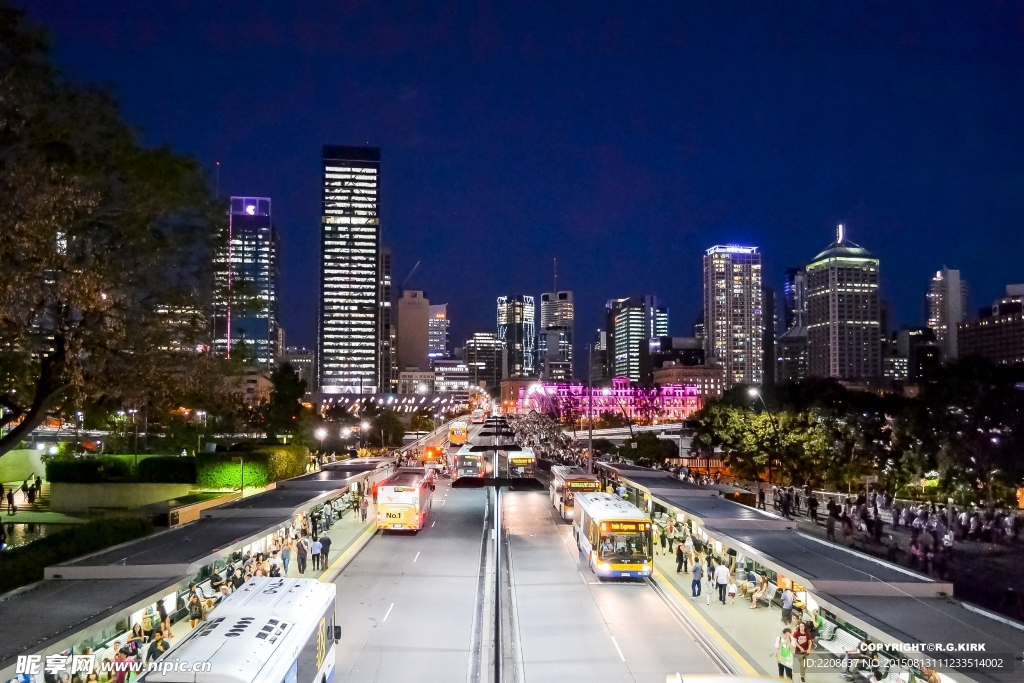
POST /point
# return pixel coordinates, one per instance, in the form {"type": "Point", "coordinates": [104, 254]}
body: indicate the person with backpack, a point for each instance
{"type": "Point", "coordinates": [784, 653]}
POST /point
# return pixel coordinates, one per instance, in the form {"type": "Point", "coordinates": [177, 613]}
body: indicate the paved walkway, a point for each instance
{"type": "Point", "coordinates": [348, 535]}
{"type": "Point", "coordinates": [742, 633]}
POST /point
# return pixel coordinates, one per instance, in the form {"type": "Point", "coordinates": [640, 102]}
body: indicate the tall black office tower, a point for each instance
{"type": "Point", "coordinates": [347, 336]}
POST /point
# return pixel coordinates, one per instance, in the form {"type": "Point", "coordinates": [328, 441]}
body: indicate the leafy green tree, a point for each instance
{"type": "Point", "coordinates": [105, 250]}
{"type": "Point", "coordinates": [389, 426]}
{"type": "Point", "coordinates": [285, 407]}
{"type": "Point", "coordinates": [648, 447]}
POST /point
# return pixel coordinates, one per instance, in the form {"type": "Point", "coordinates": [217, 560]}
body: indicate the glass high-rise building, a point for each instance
{"type": "Point", "coordinates": [630, 325]}
{"type": "Point", "coordinates": [946, 301]}
{"type": "Point", "coordinates": [844, 326]}
{"type": "Point", "coordinates": [794, 292]}
{"type": "Point", "coordinates": [350, 284]}
{"type": "Point", "coordinates": [517, 327]}
{"type": "Point", "coordinates": [555, 341]}
{"type": "Point", "coordinates": [245, 311]}
{"type": "Point", "coordinates": [387, 366]}
{"type": "Point", "coordinates": [734, 319]}
{"type": "Point", "coordinates": [438, 343]}
{"type": "Point", "coordinates": [484, 356]}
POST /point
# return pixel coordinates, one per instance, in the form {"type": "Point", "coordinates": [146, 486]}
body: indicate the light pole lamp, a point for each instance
{"type": "Point", "coordinates": [754, 391]}
{"type": "Point", "coordinates": [321, 434]}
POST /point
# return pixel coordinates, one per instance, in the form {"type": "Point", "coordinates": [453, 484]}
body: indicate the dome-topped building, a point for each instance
{"type": "Point", "coordinates": [844, 330]}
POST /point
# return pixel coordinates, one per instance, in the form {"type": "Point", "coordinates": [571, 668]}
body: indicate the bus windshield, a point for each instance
{"type": "Point", "coordinates": [624, 546]}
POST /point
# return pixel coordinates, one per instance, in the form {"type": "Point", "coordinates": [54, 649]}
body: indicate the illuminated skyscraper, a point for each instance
{"type": "Point", "coordinates": [733, 317]}
{"type": "Point", "coordinates": [844, 326]}
{"type": "Point", "coordinates": [245, 304]}
{"type": "Point", "coordinates": [438, 344]}
{"type": "Point", "coordinates": [386, 333]}
{"type": "Point", "coordinates": [347, 336]}
{"type": "Point", "coordinates": [484, 356]}
{"type": "Point", "coordinates": [517, 327]}
{"type": "Point", "coordinates": [946, 301]}
{"type": "Point", "coordinates": [631, 323]}
{"type": "Point", "coordinates": [555, 340]}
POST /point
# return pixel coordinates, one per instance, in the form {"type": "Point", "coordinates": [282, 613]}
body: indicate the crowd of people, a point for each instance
{"type": "Point", "coordinates": [546, 438]}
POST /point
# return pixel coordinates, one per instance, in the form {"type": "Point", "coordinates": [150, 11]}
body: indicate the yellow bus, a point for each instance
{"type": "Point", "coordinates": [457, 433]}
{"type": "Point", "coordinates": [404, 499]}
{"type": "Point", "coordinates": [566, 482]}
{"type": "Point", "coordinates": [614, 536]}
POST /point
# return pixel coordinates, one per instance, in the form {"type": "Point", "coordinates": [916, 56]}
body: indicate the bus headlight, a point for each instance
{"type": "Point", "coordinates": [603, 566]}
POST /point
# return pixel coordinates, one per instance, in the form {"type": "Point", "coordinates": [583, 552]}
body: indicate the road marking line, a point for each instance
{"type": "Point", "coordinates": [582, 578]}
{"type": "Point", "coordinates": [616, 644]}
{"type": "Point", "coordinates": [416, 558]}
{"type": "Point", "coordinates": [433, 523]}
{"type": "Point", "coordinates": [708, 628]}
{"type": "Point", "coordinates": [442, 502]}
{"type": "Point", "coordinates": [387, 613]}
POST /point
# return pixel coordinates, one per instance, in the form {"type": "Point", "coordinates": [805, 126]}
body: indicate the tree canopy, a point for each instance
{"type": "Point", "coordinates": [105, 254]}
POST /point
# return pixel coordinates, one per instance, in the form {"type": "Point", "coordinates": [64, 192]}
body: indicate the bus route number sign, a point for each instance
{"type": "Point", "coordinates": [584, 485]}
{"type": "Point", "coordinates": [624, 527]}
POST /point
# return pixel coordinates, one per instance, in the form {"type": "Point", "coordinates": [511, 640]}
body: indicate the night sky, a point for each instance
{"type": "Point", "coordinates": [621, 138]}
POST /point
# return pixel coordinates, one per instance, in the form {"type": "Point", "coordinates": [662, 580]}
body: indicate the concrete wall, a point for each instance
{"type": "Point", "coordinates": [70, 498]}
{"type": "Point", "coordinates": [17, 465]}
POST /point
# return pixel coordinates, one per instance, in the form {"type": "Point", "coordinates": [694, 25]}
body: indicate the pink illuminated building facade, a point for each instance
{"type": "Point", "coordinates": [665, 403]}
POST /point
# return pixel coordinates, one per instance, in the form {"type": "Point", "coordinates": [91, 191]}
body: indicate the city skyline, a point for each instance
{"type": "Point", "coordinates": [708, 164]}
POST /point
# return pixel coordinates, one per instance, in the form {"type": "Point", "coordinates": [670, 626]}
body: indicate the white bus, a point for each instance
{"type": "Point", "coordinates": [271, 630]}
{"type": "Point", "coordinates": [404, 499]}
{"type": "Point", "coordinates": [477, 416]}
{"type": "Point", "coordinates": [566, 482]}
{"type": "Point", "coordinates": [614, 536]}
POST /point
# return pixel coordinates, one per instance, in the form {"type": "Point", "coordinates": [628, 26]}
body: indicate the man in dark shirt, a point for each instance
{"type": "Point", "coordinates": [237, 581]}
{"type": "Point", "coordinates": [325, 549]}
{"type": "Point", "coordinates": [216, 581]}
{"type": "Point", "coordinates": [158, 647]}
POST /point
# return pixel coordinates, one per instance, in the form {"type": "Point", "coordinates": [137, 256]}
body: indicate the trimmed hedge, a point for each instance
{"type": "Point", "coordinates": [24, 565]}
{"type": "Point", "coordinates": [169, 469]}
{"type": "Point", "coordinates": [164, 469]}
{"type": "Point", "coordinates": [263, 464]}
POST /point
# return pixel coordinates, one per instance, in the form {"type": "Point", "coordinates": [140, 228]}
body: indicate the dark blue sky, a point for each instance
{"type": "Point", "coordinates": [621, 138]}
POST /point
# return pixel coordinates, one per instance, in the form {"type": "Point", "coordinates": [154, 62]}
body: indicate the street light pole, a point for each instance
{"type": "Point", "coordinates": [775, 430]}
{"type": "Point", "coordinates": [590, 409]}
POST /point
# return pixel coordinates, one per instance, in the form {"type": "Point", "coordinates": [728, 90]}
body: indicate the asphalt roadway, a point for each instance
{"type": "Point", "coordinates": [406, 603]}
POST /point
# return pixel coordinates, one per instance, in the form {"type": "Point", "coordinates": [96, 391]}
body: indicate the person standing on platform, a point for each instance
{"type": "Point", "coordinates": [698, 572]}
{"type": "Point", "coordinates": [681, 558]}
{"type": "Point", "coordinates": [301, 553]}
{"type": "Point", "coordinates": [325, 549]}
{"type": "Point", "coordinates": [314, 551]}
{"type": "Point", "coordinates": [722, 581]}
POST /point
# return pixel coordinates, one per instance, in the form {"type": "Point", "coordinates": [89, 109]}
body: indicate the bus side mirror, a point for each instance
{"type": "Point", "coordinates": [337, 634]}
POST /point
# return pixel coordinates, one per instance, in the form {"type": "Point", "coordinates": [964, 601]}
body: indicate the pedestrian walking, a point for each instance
{"type": "Point", "coordinates": [709, 581]}
{"type": "Point", "coordinates": [784, 654]}
{"type": "Point", "coordinates": [662, 538]}
{"type": "Point", "coordinates": [760, 499]}
{"type": "Point", "coordinates": [12, 509]}
{"type": "Point", "coordinates": [722, 581]}
{"type": "Point", "coordinates": [286, 555]}
{"type": "Point", "coordinates": [363, 507]}
{"type": "Point", "coordinates": [731, 590]}
{"type": "Point", "coordinates": [325, 549]}
{"type": "Point", "coordinates": [314, 551]}
{"type": "Point", "coordinates": [698, 572]}
{"type": "Point", "coordinates": [681, 558]}
{"type": "Point", "coordinates": [301, 553]}
{"type": "Point", "coordinates": [195, 611]}
{"type": "Point", "coordinates": [830, 527]}
{"type": "Point", "coordinates": [803, 641]}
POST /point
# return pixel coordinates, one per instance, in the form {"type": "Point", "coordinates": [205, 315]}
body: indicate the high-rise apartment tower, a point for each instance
{"type": "Point", "coordinates": [734, 322]}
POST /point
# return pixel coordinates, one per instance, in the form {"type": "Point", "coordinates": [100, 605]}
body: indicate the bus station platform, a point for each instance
{"type": "Point", "coordinates": [92, 601]}
{"type": "Point", "coordinates": [860, 597]}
